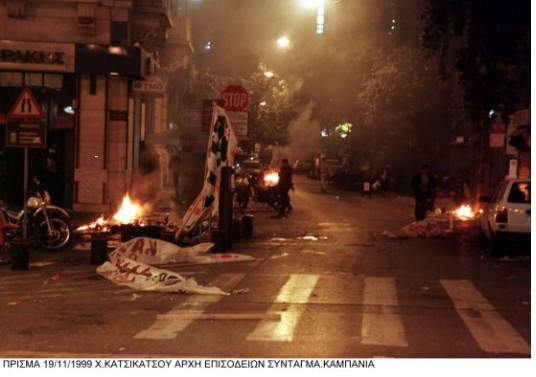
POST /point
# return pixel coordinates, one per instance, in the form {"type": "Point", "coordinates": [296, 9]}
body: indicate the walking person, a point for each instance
{"type": "Point", "coordinates": [423, 185]}
{"type": "Point", "coordinates": [284, 185]}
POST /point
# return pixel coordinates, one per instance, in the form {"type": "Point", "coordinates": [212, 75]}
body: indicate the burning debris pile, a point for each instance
{"type": "Point", "coordinates": [131, 219]}
{"type": "Point", "coordinates": [440, 224]}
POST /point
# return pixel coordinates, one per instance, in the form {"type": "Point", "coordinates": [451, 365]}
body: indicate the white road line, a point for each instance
{"type": "Point", "coordinates": [384, 328]}
{"type": "Point", "coordinates": [490, 330]}
{"type": "Point", "coordinates": [296, 290]}
{"type": "Point", "coordinates": [168, 329]}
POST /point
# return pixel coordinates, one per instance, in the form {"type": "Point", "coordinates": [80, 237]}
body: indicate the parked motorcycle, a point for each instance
{"type": "Point", "coordinates": [48, 226]}
{"type": "Point", "coordinates": [261, 188]}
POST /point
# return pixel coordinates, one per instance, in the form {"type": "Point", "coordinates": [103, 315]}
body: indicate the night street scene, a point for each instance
{"type": "Point", "coordinates": [265, 186]}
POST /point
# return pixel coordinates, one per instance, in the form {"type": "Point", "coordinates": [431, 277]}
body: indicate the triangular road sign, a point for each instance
{"type": "Point", "coordinates": [26, 106]}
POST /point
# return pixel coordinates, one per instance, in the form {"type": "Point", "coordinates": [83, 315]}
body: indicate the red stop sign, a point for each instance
{"type": "Point", "coordinates": [235, 97]}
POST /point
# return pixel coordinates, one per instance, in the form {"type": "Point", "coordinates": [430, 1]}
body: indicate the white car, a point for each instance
{"type": "Point", "coordinates": [505, 218]}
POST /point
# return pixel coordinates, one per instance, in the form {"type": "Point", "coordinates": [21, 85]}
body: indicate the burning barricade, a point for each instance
{"type": "Point", "coordinates": [440, 224]}
{"type": "Point", "coordinates": [131, 220]}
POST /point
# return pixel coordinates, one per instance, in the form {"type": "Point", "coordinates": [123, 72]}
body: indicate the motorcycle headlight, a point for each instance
{"type": "Point", "coordinates": [33, 202]}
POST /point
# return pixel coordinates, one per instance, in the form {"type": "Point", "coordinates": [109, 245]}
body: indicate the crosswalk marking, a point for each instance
{"type": "Point", "coordinates": [490, 330]}
{"type": "Point", "coordinates": [381, 325]}
{"type": "Point", "coordinates": [384, 327]}
{"type": "Point", "coordinates": [168, 329]}
{"type": "Point", "coordinates": [296, 291]}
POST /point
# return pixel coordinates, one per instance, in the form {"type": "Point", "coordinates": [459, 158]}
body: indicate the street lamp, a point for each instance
{"type": "Point", "coordinates": [320, 13]}
{"type": "Point", "coordinates": [283, 42]}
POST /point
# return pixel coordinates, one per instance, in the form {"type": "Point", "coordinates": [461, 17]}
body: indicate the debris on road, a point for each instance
{"type": "Point", "coordinates": [133, 264]}
{"type": "Point", "coordinates": [240, 291]}
{"type": "Point", "coordinates": [429, 227]}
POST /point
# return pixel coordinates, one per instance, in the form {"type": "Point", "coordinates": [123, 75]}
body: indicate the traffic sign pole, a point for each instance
{"type": "Point", "coordinates": [25, 196]}
{"type": "Point", "coordinates": [30, 131]}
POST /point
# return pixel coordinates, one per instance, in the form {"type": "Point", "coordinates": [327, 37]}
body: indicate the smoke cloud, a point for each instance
{"type": "Point", "coordinates": [304, 137]}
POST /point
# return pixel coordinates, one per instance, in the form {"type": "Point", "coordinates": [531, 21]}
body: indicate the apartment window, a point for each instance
{"type": "Point", "coordinates": [119, 33]}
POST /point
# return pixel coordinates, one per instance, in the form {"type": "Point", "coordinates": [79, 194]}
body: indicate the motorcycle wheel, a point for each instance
{"type": "Point", "coordinates": [62, 233]}
{"type": "Point", "coordinates": [277, 201]}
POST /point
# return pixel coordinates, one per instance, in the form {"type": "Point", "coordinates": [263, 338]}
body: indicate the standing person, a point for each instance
{"type": "Point", "coordinates": [51, 179]}
{"type": "Point", "coordinates": [423, 185]}
{"type": "Point", "coordinates": [284, 185]}
{"type": "Point", "coordinates": [385, 179]}
{"type": "Point", "coordinates": [174, 167]}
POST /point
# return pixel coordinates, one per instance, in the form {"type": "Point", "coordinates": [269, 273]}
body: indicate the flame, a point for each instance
{"type": "Point", "coordinates": [271, 178]}
{"type": "Point", "coordinates": [464, 212]}
{"type": "Point", "coordinates": [128, 212]}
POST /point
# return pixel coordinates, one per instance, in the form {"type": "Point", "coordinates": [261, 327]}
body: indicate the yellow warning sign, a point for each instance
{"type": "Point", "coordinates": [26, 106]}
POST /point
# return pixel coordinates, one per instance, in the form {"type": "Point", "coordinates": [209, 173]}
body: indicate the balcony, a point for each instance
{"type": "Point", "coordinates": [176, 52]}
{"type": "Point", "coordinates": [150, 23]}
{"type": "Point", "coordinates": [152, 6]}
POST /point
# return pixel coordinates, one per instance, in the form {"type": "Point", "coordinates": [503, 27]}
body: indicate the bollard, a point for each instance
{"type": "Point", "coordinates": [237, 230]}
{"type": "Point", "coordinates": [366, 189]}
{"type": "Point", "coordinates": [219, 238]}
{"type": "Point", "coordinates": [247, 226]}
{"type": "Point", "coordinates": [99, 250]}
{"type": "Point", "coordinates": [20, 254]}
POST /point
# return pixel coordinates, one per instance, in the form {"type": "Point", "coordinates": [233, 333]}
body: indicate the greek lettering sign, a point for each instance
{"type": "Point", "coordinates": [154, 87]}
{"type": "Point", "coordinates": [36, 56]}
{"type": "Point", "coordinates": [239, 121]}
{"type": "Point", "coordinates": [26, 133]}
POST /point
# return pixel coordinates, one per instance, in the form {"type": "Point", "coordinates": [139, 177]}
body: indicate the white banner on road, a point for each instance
{"type": "Point", "coordinates": [131, 265]}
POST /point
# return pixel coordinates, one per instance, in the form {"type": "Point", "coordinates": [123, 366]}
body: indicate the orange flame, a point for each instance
{"type": "Point", "coordinates": [271, 178]}
{"type": "Point", "coordinates": [128, 212]}
{"type": "Point", "coordinates": [464, 212]}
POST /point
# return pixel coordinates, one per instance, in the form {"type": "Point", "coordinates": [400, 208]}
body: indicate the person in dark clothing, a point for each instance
{"type": "Point", "coordinates": [51, 179]}
{"type": "Point", "coordinates": [174, 167]}
{"type": "Point", "coordinates": [423, 185]}
{"type": "Point", "coordinates": [284, 185]}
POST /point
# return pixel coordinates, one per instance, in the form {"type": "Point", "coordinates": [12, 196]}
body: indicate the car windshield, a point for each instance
{"type": "Point", "coordinates": [520, 193]}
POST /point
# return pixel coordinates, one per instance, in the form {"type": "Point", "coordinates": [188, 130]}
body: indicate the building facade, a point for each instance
{"type": "Point", "coordinates": [98, 69]}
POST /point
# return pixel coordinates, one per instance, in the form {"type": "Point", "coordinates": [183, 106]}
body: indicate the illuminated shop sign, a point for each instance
{"type": "Point", "coordinates": [33, 56]}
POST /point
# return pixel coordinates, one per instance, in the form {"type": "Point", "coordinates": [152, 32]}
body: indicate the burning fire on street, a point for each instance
{"type": "Point", "coordinates": [130, 212]}
{"type": "Point", "coordinates": [464, 212]}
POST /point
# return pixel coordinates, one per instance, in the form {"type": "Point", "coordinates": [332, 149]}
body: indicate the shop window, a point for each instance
{"type": "Point", "coordinates": [52, 80]}
{"type": "Point", "coordinates": [11, 79]}
{"type": "Point", "coordinates": [33, 79]}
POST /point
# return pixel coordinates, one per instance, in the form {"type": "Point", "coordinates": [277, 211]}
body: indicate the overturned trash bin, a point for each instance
{"type": "Point", "coordinates": [20, 254]}
{"type": "Point", "coordinates": [247, 226]}
{"type": "Point", "coordinates": [99, 250]}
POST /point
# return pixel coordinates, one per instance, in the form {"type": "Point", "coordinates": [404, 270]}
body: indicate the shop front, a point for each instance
{"type": "Point", "coordinates": [83, 90]}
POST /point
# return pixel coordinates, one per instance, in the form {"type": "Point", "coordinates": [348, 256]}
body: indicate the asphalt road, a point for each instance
{"type": "Point", "coordinates": [326, 282]}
